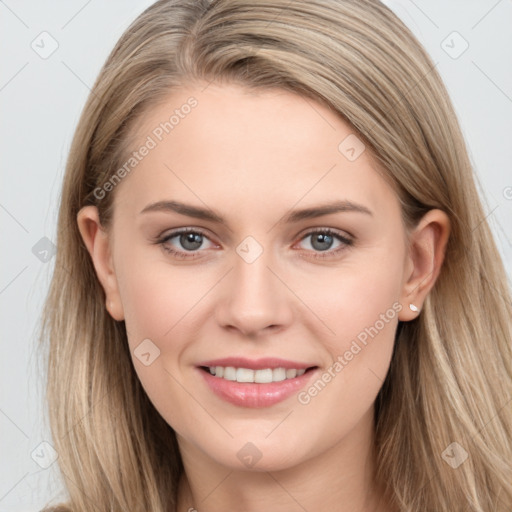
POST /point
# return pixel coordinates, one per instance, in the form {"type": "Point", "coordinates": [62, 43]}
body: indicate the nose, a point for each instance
{"type": "Point", "coordinates": [255, 301]}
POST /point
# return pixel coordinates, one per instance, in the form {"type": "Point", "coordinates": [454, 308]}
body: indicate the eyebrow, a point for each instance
{"type": "Point", "coordinates": [294, 216]}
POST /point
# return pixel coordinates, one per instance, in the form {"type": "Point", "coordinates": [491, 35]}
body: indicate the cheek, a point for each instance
{"type": "Point", "coordinates": [361, 295]}
{"type": "Point", "coordinates": [159, 305]}
{"type": "Point", "coordinates": [346, 390]}
{"type": "Point", "coordinates": [149, 305]}
{"type": "Point", "coordinates": [361, 307]}
{"type": "Point", "coordinates": [156, 297]}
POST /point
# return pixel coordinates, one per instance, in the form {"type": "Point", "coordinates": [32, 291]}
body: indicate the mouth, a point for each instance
{"type": "Point", "coordinates": [257, 384]}
{"type": "Point", "coordinates": [261, 376]}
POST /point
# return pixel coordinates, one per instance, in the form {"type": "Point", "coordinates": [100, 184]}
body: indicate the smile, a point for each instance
{"type": "Point", "coordinates": [263, 376]}
{"type": "Point", "coordinates": [255, 383]}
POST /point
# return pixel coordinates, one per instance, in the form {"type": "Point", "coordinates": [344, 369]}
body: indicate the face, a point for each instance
{"type": "Point", "coordinates": [251, 242]}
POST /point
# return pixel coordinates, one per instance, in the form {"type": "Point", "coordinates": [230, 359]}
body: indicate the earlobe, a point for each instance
{"type": "Point", "coordinates": [427, 248]}
{"type": "Point", "coordinates": [98, 244]}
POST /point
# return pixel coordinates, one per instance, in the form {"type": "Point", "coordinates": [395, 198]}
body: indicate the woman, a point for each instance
{"type": "Point", "coordinates": [275, 286]}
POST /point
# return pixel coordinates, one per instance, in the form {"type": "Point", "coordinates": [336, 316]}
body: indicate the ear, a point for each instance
{"type": "Point", "coordinates": [427, 246]}
{"type": "Point", "coordinates": [98, 244]}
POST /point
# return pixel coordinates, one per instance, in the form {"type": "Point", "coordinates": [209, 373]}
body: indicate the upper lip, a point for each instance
{"type": "Point", "coordinates": [257, 364]}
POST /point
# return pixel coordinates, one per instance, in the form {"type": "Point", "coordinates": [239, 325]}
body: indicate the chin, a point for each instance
{"type": "Point", "coordinates": [257, 454]}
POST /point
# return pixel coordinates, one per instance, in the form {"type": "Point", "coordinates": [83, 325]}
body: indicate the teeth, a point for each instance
{"type": "Point", "coordinates": [290, 374]}
{"type": "Point", "coordinates": [278, 374]}
{"type": "Point", "coordinates": [264, 376]}
{"type": "Point", "coordinates": [230, 373]}
{"type": "Point", "coordinates": [244, 375]}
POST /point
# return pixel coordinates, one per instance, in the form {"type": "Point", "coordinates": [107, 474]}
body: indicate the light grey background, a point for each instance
{"type": "Point", "coordinates": [41, 99]}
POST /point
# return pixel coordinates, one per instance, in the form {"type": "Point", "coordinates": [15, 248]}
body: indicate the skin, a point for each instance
{"type": "Point", "coordinates": [253, 157]}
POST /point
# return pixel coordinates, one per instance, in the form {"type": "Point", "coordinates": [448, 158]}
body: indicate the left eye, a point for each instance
{"type": "Point", "coordinates": [322, 240]}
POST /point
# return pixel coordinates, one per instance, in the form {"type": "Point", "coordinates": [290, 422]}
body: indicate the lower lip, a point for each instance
{"type": "Point", "coordinates": [255, 395]}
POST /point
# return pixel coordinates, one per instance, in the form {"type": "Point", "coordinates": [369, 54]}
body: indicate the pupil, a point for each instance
{"type": "Point", "coordinates": [194, 239]}
{"type": "Point", "coordinates": [322, 238]}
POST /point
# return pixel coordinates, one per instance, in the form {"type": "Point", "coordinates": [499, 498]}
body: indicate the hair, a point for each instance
{"type": "Point", "coordinates": [450, 378]}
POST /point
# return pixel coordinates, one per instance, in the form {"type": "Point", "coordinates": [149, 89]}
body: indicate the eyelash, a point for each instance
{"type": "Point", "coordinates": [347, 242]}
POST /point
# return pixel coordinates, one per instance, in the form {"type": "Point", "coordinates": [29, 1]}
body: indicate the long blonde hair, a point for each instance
{"type": "Point", "coordinates": [450, 379]}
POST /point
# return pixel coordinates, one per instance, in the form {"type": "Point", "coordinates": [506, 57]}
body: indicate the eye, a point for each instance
{"type": "Point", "coordinates": [184, 243]}
{"type": "Point", "coordinates": [322, 240]}
{"type": "Point", "coordinates": [187, 243]}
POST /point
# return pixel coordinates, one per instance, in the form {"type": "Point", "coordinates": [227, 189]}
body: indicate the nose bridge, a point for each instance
{"type": "Point", "coordinates": [255, 298]}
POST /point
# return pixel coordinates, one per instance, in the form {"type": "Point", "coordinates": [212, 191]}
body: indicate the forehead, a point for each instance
{"type": "Point", "coordinates": [243, 148]}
